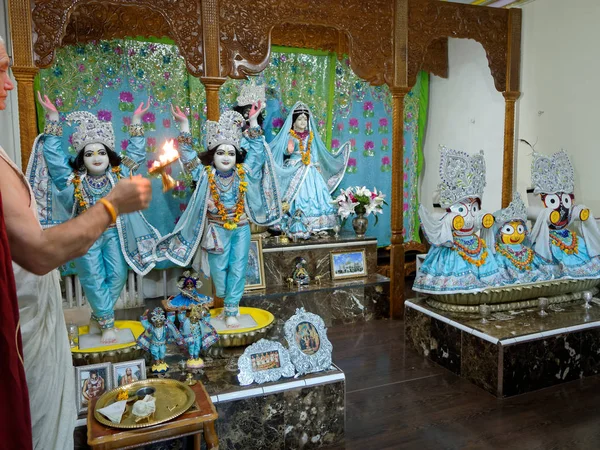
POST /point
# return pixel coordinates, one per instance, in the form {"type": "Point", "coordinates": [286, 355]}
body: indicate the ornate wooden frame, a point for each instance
{"type": "Point", "coordinates": [387, 42]}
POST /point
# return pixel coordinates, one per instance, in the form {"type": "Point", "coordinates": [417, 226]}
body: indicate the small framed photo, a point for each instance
{"type": "Point", "coordinates": [91, 382]}
{"type": "Point", "coordinates": [128, 372]}
{"type": "Point", "coordinates": [306, 335]}
{"type": "Point", "coordinates": [255, 270]}
{"type": "Point", "coordinates": [264, 361]}
{"type": "Point", "coordinates": [348, 265]}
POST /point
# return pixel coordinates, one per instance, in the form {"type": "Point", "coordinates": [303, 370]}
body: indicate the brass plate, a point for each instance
{"type": "Point", "coordinates": [169, 394]}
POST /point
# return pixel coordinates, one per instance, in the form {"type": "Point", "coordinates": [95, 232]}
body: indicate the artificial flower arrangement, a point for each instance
{"type": "Point", "coordinates": [359, 200]}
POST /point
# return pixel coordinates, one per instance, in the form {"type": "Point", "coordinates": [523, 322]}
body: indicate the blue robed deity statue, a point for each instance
{"type": "Point", "coordinates": [307, 172]}
{"type": "Point", "coordinates": [459, 261]}
{"type": "Point", "coordinates": [564, 233]}
{"type": "Point", "coordinates": [235, 185]}
{"type": "Point", "coordinates": [66, 187]}
{"type": "Point", "coordinates": [197, 333]}
{"type": "Point", "coordinates": [159, 330]}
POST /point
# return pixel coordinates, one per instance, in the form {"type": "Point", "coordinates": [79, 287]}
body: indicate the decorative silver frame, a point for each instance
{"type": "Point", "coordinates": [141, 363]}
{"type": "Point", "coordinates": [108, 382]}
{"type": "Point", "coordinates": [321, 359]}
{"type": "Point", "coordinates": [248, 376]}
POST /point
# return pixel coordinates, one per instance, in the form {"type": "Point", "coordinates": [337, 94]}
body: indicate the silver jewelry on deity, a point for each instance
{"type": "Point", "coordinates": [98, 185]}
{"type": "Point", "coordinates": [90, 130]}
{"type": "Point", "coordinates": [228, 130]}
{"type": "Point", "coordinates": [251, 93]}
{"type": "Point", "coordinates": [264, 361]}
{"type": "Point", "coordinates": [462, 176]}
{"type": "Point", "coordinates": [552, 174]}
{"type": "Point", "coordinates": [516, 210]}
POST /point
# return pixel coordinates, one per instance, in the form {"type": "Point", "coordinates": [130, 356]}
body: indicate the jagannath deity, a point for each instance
{"type": "Point", "coordinates": [508, 240]}
{"type": "Point", "coordinates": [235, 185]}
{"type": "Point", "coordinates": [65, 187]}
{"type": "Point", "coordinates": [197, 333]}
{"type": "Point", "coordinates": [458, 260]}
{"type": "Point", "coordinates": [159, 331]}
{"type": "Point", "coordinates": [564, 233]}
{"type": "Point", "coordinates": [307, 172]}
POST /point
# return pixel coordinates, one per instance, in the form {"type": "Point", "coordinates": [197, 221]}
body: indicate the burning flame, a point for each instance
{"type": "Point", "coordinates": [169, 155]}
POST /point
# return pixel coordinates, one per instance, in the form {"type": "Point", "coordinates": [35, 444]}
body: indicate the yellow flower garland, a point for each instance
{"type": "Point", "coordinates": [568, 249]}
{"type": "Point", "coordinates": [229, 224]}
{"type": "Point", "coordinates": [464, 250]}
{"type": "Point", "coordinates": [521, 265]}
{"type": "Point", "coordinates": [305, 153]}
{"type": "Point", "coordinates": [79, 198]}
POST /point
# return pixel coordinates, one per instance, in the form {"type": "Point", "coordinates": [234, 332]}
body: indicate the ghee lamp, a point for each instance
{"type": "Point", "coordinates": [168, 156]}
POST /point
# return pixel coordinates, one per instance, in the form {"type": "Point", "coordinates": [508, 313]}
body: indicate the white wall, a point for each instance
{"type": "Point", "coordinates": [466, 112]}
{"type": "Point", "coordinates": [9, 118]}
{"type": "Point", "coordinates": [559, 107]}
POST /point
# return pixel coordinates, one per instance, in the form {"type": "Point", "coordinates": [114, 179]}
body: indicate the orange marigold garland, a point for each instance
{"type": "Point", "coordinates": [521, 265]}
{"type": "Point", "coordinates": [79, 198]}
{"type": "Point", "coordinates": [568, 249]}
{"type": "Point", "coordinates": [305, 153]}
{"type": "Point", "coordinates": [463, 251]}
{"type": "Point", "coordinates": [228, 224]}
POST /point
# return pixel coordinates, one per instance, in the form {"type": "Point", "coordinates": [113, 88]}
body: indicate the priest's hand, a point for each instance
{"type": "Point", "coordinates": [131, 194]}
{"type": "Point", "coordinates": [48, 106]}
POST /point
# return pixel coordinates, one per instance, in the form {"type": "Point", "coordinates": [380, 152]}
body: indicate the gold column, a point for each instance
{"type": "Point", "coordinates": [510, 99]}
{"type": "Point", "coordinates": [212, 85]}
{"type": "Point", "coordinates": [24, 71]}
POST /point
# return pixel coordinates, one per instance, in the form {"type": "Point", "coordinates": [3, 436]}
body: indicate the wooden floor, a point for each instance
{"type": "Point", "coordinates": [396, 399]}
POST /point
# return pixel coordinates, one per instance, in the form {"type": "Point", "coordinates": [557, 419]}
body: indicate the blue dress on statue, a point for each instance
{"type": "Point", "coordinates": [574, 262]}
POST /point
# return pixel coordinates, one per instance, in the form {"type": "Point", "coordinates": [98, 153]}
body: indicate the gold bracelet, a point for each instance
{"type": "Point", "coordinates": [110, 208]}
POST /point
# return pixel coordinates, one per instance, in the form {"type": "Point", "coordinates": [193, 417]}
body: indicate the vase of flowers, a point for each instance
{"type": "Point", "coordinates": [362, 202]}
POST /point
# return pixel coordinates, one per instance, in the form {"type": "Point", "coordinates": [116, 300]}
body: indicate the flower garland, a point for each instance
{"type": "Point", "coordinates": [464, 252]}
{"type": "Point", "coordinates": [521, 265]}
{"type": "Point", "coordinates": [229, 224]}
{"type": "Point", "coordinates": [305, 153]}
{"type": "Point", "coordinates": [83, 204]}
{"type": "Point", "coordinates": [568, 249]}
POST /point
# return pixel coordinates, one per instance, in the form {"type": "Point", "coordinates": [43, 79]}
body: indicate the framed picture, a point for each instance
{"type": "Point", "coordinates": [264, 361]}
{"type": "Point", "coordinates": [255, 271]}
{"type": "Point", "coordinates": [91, 382]}
{"type": "Point", "coordinates": [306, 335]}
{"type": "Point", "coordinates": [348, 265]}
{"type": "Point", "coordinates": [128, 372]}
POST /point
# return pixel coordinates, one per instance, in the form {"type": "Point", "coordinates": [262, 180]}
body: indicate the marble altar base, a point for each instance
{"type": "Point", "coordinates": [516, 351]}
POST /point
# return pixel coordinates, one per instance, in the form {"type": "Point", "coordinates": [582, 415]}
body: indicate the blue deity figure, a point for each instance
{"type": "Point", "coordinates": [458, 260]}
{"type": "Point", "coordinates": [66, 187]}
{"type": "Point", "coordinates": [307, 172]}
{"type": "Point", "coordinates": [564, 233]}
{"type": "Point", "coordinates": [298, 225]}
{"type": "Point", "coordinates": [235, 184]}
{"type": "Point", "coordinates": [188, 285]}
{"type": "Point", "coordinates": [197, 332]}
{"type": "Point", "coordinates": [507, 240]}
{"type": "Point", "coordinates": [158, 332]}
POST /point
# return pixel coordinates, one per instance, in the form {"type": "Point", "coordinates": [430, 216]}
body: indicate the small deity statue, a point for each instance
{"type": "Point", "coordinates": [198, 334]}
{"type": "Point", "coordinates": [77, 184]}
{"type": "Point", "coordinates": [300, 274]}
{"type": "Point", "coordinates": [158, 331]}
{"type": "Point", "coordinates": [188, 285]}
{"type": "Point", "coordinates": [235, 185]}
{"type": "Point", "coordinates": [298, 226]}
{"type": "Point", "coordinates": [306, 171]}
{"type": "Point", "coordinates": [575, 250]}
{"type": "Point", "coordinates": [507, 240]}
{"type": "Point", "coordinates": [458, 260]}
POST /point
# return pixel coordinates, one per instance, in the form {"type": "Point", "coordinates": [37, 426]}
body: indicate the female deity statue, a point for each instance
{"type": "Point", "coordinates": [459, 260]}
{"type": "Point", "coordinates": [575, 250]}
{"type": "Point", "coordinates": [198, 334]}
{"type": "Point", "coordinates": [306, 171]}
{"type": "Point", "coordinates": [158, 332]}
{"type": "Point", "coordinates": [235, 185]}
{"type": "Point", "coordinates": [77, 184]}
{"type": "Point", "coordinates": [507, 240]}
{"type": "Point", "coordinates": [188, 285]}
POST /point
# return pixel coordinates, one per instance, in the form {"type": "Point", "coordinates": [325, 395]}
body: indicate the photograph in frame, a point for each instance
{"type": "Point", "coordinates": [128, 372]}
{"type": "Point", "coordinates": [351, 264]}
{"type": "Point", "coordinates": [264, 361]}
{"type": "Point", "coordinates": [91, 382]}
{"type": "Point", "coordinates": [255, 270]}
{"type": "Point", "coordinates": [306, 335]}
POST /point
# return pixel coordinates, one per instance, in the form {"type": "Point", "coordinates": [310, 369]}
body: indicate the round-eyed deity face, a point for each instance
{"type": "Point", "coordinates": [513, 232]}
{"type": "Point", "coordinates": [95, 158]}
{"type": "Point", "coordinates": [224, 159]}
{"type": "Point", "coordinates": [301, 123]}
{"type": "Point", "coordinates": [562, 203]}
{"type": "Point", "coordinates": [468, 210]}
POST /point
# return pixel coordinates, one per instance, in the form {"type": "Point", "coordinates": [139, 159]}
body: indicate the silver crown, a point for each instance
{"type": "Point", "coordinates": [516, 210]}
{"type": "Point", "coordinates": [228, 130]}
{"type": "Point", "coordinates": [250, 93]}
{"type": "Point", "coordinates": [462, 176]}
{"type": "Point", "coordinates": [90, 130]}
{"type": "Point", "coordinates": [552, 174]}
{"type": "Point", "coordinates": [157, 315]}
{"type": "Point", "coordinates": [302, 108]}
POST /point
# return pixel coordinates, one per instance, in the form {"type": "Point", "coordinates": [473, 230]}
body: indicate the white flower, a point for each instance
{"type": "Point", "coordinates": [363, 191]}
{"type": "Point", "coordinates": [346, 208]}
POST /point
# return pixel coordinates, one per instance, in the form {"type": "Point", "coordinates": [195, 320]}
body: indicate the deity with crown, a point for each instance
{"type": "Point", "coordinates": [235, 185]}
{"type": "Point", "coordinates": [564, 233]}
{"type": "Point", "coordinates": [508, 240]}
{"type": "Point", "coordinates": [159, 330]}
{"type": "Point", "coordinates": [459, 260]}
{"type": "Point", "coordinates": [188, 284]}
{"type": "Point", "coordinates": [197, 333]}
{"type": "Point", "coordinates": [76, 184]}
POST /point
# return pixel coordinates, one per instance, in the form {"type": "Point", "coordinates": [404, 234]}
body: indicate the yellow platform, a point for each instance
{"type": "Point", "coordinates": [234, 337]}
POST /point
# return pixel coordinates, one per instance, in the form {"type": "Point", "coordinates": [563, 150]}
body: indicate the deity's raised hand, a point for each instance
{"type": "Point", "coordinates": [139, 112]}
{"type": "Point", "coordinates": [48, 106]}
{"type": "Point", "coordinates": [181, 118]}
{"type": "Point", "coordinates": [255, 110]}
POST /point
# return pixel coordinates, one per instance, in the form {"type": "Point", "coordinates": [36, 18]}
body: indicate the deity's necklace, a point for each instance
{"type": "Point", "coordinates": [98, 184]}
{"type": "Point", "coordinates": [78, 194]}
{"type": "Point", "coordinates": [568, 249]}
{"type": "Point", "coordinates": [225, 186]}
{"type": "Point", "coordinates": [228, 224]}
{"type": "Point", "coordinates": [513, 257]}
{"type": "Point", "coordinates": [305, 153]}
{"type": "Point", "coordinates": [465, 251]}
